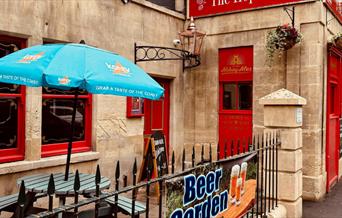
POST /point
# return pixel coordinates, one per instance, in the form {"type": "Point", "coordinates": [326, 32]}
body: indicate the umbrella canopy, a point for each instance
{"type": "Point", "coordinates": [81, 66]}
{"type": "Point", "coordinates": [78, 66]}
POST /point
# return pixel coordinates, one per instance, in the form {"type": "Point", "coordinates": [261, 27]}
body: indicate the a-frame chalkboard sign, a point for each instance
{"type": "Point", "coordinates": [155, 157]}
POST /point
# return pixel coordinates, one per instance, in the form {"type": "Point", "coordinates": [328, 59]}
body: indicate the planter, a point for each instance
{"type": "Point", "coordinates": [338, 42]}
{"type": "Point", "coordinates": [287, 44]}
{"type": "Point", "coordinates": [281, 39]}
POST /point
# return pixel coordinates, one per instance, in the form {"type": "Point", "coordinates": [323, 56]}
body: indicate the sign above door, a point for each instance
{"type": "Point", "coordinates": [209, 7]}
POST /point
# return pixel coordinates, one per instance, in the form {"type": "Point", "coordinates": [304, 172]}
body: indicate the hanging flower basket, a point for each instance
{"type": "Point", "coordinates": [281, 39]}
{"type": "Point", "coordinates": [337, 40]}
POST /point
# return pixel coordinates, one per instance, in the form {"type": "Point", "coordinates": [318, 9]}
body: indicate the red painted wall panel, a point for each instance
{"type": "Point", "coordinates": [236, 123]}
{"type": "Point", "coordinates": [335, 7]}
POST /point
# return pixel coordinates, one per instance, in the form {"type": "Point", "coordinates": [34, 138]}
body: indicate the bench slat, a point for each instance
{"type": "Point", "coordinates": [125, 204]}
{"type": "Point", "coordinates": [9, 200]}
{"type": "Point", "coordinates": [6, 201]}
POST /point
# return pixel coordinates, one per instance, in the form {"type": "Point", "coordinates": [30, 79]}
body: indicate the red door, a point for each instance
{"type": "Point", "coordinates": [235, 99]}
{"type": "Point", "coordinates": [333, 118]}
{"type": "Point", "coordinates": [157, 113]}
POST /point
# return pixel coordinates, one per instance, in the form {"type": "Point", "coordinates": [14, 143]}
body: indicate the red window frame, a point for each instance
{"type": "Point", "coordinates": [18, 153]}
{"type": "Point", "coordinates": [55, 149]}
{"type": "Point", "coordinates": [129, 108]}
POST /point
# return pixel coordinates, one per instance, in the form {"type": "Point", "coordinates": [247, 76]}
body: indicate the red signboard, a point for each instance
{"type": "Point", "coordinates": [236, 64]}
{"type": "Point", "coordinates": [336, 8]}
{"type": "Point", "coordinates": [207, 7]}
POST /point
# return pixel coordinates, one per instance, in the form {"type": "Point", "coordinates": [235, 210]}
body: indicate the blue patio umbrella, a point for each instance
{"type": "Point", "coordinates": [77, 66]}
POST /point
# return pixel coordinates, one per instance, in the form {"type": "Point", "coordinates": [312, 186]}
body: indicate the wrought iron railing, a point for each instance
{"type": "Point", "coordinates": [265, 148]}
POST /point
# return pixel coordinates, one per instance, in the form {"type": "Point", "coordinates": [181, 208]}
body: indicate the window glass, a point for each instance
{"type": "Point", "coordinates": [170, 4]}
{"type": "Point", "coordinates": [8, 123]}
{"type": "Point", "coordinates": [56, 120]}
{"type": "Point", "coordinates": [12, 109]}
{"type": "Point", "coordinates": [245, 96]}
{"type": "Point", "coordinates": [9, 88]}
{"type": "Point", "coordinates": [229, 96]}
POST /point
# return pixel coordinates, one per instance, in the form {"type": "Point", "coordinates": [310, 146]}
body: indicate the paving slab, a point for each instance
{"type": "Point", "coordinates": [329, 207]}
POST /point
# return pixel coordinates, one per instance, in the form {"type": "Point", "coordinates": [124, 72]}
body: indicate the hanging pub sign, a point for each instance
{"type": "Point", "coordinates": [208, 7]}
{"type": "Point", "coordinates": [224, 189]}
{"type": "Point", "coordinates": [155, 157]}
{"type": "Point", "coordinates": [335, 7]}
{"type": "Point", "coordinates": [236, 64]}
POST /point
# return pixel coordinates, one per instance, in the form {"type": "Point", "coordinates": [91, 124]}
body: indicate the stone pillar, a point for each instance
{"type": "Point", "coordinates": [283, 111]}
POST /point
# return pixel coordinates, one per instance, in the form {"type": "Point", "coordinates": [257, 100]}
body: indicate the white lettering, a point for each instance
{"type": "Point", "coordinates": [239, 1]}
{"type": "Point", "coordinates": [220, 2]}
{"type": "Point", "coordinates": [226, 2]}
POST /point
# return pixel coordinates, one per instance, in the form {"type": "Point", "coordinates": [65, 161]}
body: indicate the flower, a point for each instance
{"type": "Point", "coordinates": [281, 39]}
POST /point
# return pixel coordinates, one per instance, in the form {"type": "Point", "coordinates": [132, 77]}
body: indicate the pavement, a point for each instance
{"type": "Point", "coordinates": [329, 207]}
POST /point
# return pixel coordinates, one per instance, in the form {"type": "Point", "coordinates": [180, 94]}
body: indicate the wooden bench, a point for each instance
{"type": "Point", "coordinates": [8, 202]}
{"type": "Point", "coordinates": [125, 205]}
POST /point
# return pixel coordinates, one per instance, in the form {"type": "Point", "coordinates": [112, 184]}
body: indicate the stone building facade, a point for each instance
{"type": "Point", "coordinates": [194, 93]}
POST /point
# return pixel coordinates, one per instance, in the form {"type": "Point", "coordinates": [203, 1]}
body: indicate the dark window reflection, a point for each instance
{"type": "Point", "coordinates": [8, 105]}
{"type": "Point", "coordinates": [9, 88]}
{"type": "Point", "coordinates": [56, 120]}
{"type": "Point", "coordinates": [8, 123]}
{"type": "Point", "coordinates": [229, 96]}
{"type": "Point", "coordinates": [245, 96]}
{"type": "Point", "coordinates": [53, 91]}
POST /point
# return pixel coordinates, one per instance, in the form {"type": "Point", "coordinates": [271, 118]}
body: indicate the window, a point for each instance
{"type": "Point", "coordinates": [237, 96]}
{"type": "Point", "coordinates": [56, 119]}
{"type": "Point", "coordinates": [135, 107]}
{"type": "Point", "coordinates": [170, 4]}
{"type": "Point", "coordinates": [12, 109]}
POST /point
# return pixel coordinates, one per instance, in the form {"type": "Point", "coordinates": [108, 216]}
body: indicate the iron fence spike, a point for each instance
{"type": "Point", "coordinates": [51, 186]}
{"type": "Point", "coordinates": [117, 170]}
{"type": "Point", "coordinates": [22, 194]}
{"type": "Point", "coordinates": [77, 183]}
{"type": "Point", "coordinates": [98, 175]}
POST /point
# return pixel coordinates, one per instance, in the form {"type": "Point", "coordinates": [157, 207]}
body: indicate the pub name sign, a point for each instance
{"type": "Point", "coordinates": [208, 7]}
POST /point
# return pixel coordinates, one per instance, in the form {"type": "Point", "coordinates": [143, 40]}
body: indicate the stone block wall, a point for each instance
{"type": "Point", "coordinates": [113, 26]}
{"type": "Point", "coordinates": [301, 70]}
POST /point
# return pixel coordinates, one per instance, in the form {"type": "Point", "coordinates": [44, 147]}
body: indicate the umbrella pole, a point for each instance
{"type": "Point", "coordinates": [72, 130]}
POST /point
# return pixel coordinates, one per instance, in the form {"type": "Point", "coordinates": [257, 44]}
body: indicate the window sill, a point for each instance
{"type": "Point", "coordinates": [21, 166]}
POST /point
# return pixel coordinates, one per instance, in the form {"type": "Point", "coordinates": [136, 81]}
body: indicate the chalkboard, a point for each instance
{"type": "Point", "coordinates": [155, 158]}
{"type": "Point", "coordinates": [158, 139]}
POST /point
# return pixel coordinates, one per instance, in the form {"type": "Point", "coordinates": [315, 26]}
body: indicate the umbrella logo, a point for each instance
{"type": "Point", "coordinates": [27, 59]}
{"type": "Point", "coordinates": [64, 81]}
{"type": "Point", "coordinates": [118, 69]}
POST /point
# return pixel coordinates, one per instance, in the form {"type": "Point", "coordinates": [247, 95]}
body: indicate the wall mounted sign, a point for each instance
{"type": "Point", "coordinates": [299, 115]}
{"type": "Point", "coordinates": [208, 7]}
{"type": "Point", "coordinates": [335, 7]}
{"type": "Point", "coordinates": [215, 190]}
{"type": "Point", "coordinates": [236, 64]}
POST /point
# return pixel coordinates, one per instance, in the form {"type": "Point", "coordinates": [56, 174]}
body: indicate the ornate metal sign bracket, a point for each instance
{"type": "Point", "coordinates": [158, 53]}
{"type": "Point", "coordinates": [291, 16]}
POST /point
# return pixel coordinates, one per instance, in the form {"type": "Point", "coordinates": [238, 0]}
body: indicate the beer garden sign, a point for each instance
{"type": "Point", "coordinates": [209, 7]}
